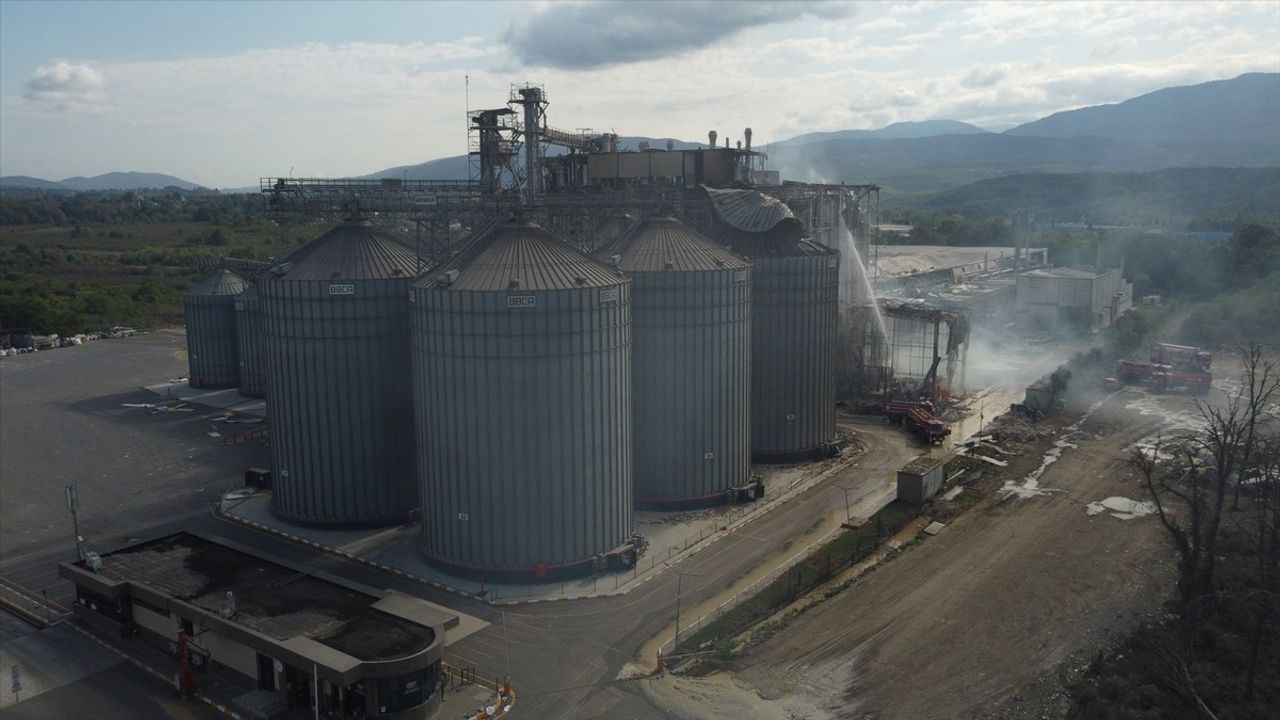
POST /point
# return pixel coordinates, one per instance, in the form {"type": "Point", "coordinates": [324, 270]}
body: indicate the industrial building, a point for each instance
{"type": "Point", "coordinates": [1069, 298]}
{"type": "Point", "coordinates": [335, 319]}
{"type": "Point", "coordinates": [795, 307]}
{"type": "Point", "coordinates": [304, 639]}
{"type": "Point", "coordinates": [552, 393]}
{"type": "Point", "coordinates": [691, 364]}
{"type": "Point", "coordinates": [209, 309]}
{"type": "Point", "coordinates": [522, 384]}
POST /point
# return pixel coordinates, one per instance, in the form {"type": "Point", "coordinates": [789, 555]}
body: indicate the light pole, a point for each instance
{"type": "Point", "coordinates": [506, 643]}
{"type": "Point", "coordinates": [675, 644]}
{"type": "Point", "coordinates": [848, 516]}
{"type": "Point", "coordinates": [73, 502]}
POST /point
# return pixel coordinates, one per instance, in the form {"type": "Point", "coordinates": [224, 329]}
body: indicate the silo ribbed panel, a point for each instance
{"type": "Point", "coordinates": [794, 324]}
{"type": "Point", "coordinates": [691, 363]}
{"type": "Point", "coordinates": [339, 401]}
{"type": "Point", "coordinates": [209, 311]}
{"type": "Point", "coordinates": [522, 385]}
{"type": "Point", "coordinates": [524, 426]}
{"type": "Point", "coordinates": [250, 344]}
{"type": "Point", "coordinates": [692, 384]}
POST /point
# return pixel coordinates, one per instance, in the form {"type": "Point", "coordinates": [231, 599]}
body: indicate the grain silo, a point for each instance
{"type": "Point", "coordinates": [335, 320]}
{"type": "Point", "coordinates": [250, 344]}
{"type": "Point", "coordinates": [522, 386]}
{"type": "Point", "coordinates": [795, 305]}
{"type": "Point", "coordinates": [691, 364]}
{"type": "Point", "coordinates": [209, 308]}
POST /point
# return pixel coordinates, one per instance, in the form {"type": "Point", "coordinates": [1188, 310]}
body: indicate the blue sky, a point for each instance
{"type": "Point", "coordinates": [222, 93]}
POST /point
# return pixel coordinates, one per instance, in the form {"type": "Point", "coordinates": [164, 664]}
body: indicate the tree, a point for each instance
{"type": "Point", "coordinates": [1190, 491]}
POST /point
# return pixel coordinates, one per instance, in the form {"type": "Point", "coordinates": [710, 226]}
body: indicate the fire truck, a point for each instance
{"type": "Point", "coordinates": [1171, 368]}
{"type": "Point", "coordinates": [917, 416]}
{"type": "Point", "coordinates": [1182, 357]}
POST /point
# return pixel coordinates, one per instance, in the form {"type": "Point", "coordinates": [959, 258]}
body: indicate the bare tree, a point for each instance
{"type": "Point", "coordinates": [1221, 455]}
{"type": "Point", "coordinates": [1238, 449]}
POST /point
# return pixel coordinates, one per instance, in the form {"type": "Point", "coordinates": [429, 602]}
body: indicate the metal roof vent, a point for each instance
{"type": "Point", "coordinates": [514, 284]}
{"type": "Point", "coordinates": [615, 260]}
{"type": "Point", "coordinates": [450, 276]}
{"type": "Point", "coordinates": [580, 279]}
{"type": "Point", "coordinates": [669, 265]}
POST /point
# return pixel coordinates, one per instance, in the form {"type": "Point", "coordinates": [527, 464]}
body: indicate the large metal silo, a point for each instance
{"type": "Point", "coordinates": [250, 344]}
{"type": "Point", "coordinates": [522, 386]}
{"type": "Point", "coordinates": [209, 308]}
{"type": "Point", "coordinates": [335, 321]}
{"type": "Point", "coordinates": [691, 364]}
{"type": "Point", "coordinates": [795, 309]}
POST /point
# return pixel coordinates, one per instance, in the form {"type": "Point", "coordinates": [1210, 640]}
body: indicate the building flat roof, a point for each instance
{"type": "Point", "coordinates": [1064, 272]}
{"type": "Point", "coordinates": [894, 260]}
{"type": "Point", "coordinates": [922, 465]}
{"type": "Point", "coordinates": [271, 599]}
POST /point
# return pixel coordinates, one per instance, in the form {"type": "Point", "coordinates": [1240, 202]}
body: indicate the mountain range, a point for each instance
{"type": "Point", "coordinates": [1223, 123]}
{"type": "Point", "coordinates": [107, 181]}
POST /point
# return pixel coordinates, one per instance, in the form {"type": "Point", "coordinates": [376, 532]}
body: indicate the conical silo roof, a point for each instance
{"type": "Point", "coordinates": [221, 282]}
{"type": "Point", "coordinates": [759, 226]}
{"type": "Point", "coordinates": [660, 243]}
{"type": "Point", "coordinates": [519, 255]}
{"type": "Point", "coordinates": [354, 250]}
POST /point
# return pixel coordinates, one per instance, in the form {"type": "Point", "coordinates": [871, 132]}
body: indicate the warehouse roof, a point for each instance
{"type": "Point", "coordinates": [893, 260]}
{"type": "Point", "coordinates": [354, 250]}
{"type": "Point", "coordinates": [221, 282]}
{"type": "Point", "coordinates": [1062, 272]}
{"type": "Point", "coordinates": [271, 599]}
{"type": "Point", "coordinates": [660, 243]}
{"type": "Point", "coordinates": [519, 255]}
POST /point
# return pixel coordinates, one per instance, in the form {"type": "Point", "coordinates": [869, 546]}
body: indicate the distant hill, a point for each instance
{"type": "Point", "coordinates": [108, 181]}
{"type": "Point", "coordinates": [894, 131]}
{"type": "Point", "coordinates": [1122, 198]}
{"type": "Point", "coordinates": [1228, 123]}
{"type": "Point", "coordinates": [1241, 115]}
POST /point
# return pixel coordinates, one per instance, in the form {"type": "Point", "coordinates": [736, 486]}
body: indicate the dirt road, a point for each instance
{"type": "Point", "coordinates": [1010, 590]}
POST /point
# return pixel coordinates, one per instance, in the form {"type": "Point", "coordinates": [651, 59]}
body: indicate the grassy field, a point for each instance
{"type": "Point", "coordinates": [79, 278]}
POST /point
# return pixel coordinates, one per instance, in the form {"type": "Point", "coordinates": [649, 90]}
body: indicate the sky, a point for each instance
{"type": "Point", "coordinates": [222, 93]}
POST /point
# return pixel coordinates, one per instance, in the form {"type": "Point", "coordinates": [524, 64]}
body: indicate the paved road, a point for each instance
{"type": "Point", "coordinates": [142, 475]}
{"type": "Point", "coordinates": [61, 420]}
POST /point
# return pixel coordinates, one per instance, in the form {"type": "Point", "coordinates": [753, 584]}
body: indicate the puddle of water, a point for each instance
{"type": "Point", "coordinates": [1030, 485]}
{"type": "Point", "coordinates": [1121, 507]}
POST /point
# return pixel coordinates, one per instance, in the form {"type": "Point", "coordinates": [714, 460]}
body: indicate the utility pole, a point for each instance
{"type": "Point", "coordinates": [675, 644]}
{"type": "Point", "coordinates": [73, 502]}
{"type": "Point", "coordinates": [506, 643]}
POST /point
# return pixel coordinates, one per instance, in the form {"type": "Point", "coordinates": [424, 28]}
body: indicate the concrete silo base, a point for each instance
{"type": "Point", "coordinates": [330, 524]}
{"type": "Point", "coordinates": [694, 503]}
{"type": "Point", "coordinates": [612, 561]}
{"type": "Point", "coordinates": [819, 452]}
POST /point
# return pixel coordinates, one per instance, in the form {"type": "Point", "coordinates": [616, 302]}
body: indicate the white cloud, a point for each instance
{"type": "Point", "coordinates": [353, 108]}
{"type": "Point", "coordinates": [66, 86]}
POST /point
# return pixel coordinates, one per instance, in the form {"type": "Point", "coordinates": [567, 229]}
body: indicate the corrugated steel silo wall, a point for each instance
{"type": "Point", "coordinates": [795, 306]}
{"type": "Point", "coordinates": [251, 346]}
{"type": "Point", "coordinates": [212, 359]}
{"type": "Point", "coordinates": [691, 387]}
{"type": "Point", "coordinates": [339, 400]}
{"type": "Point", "coordinates": [524, 425]}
